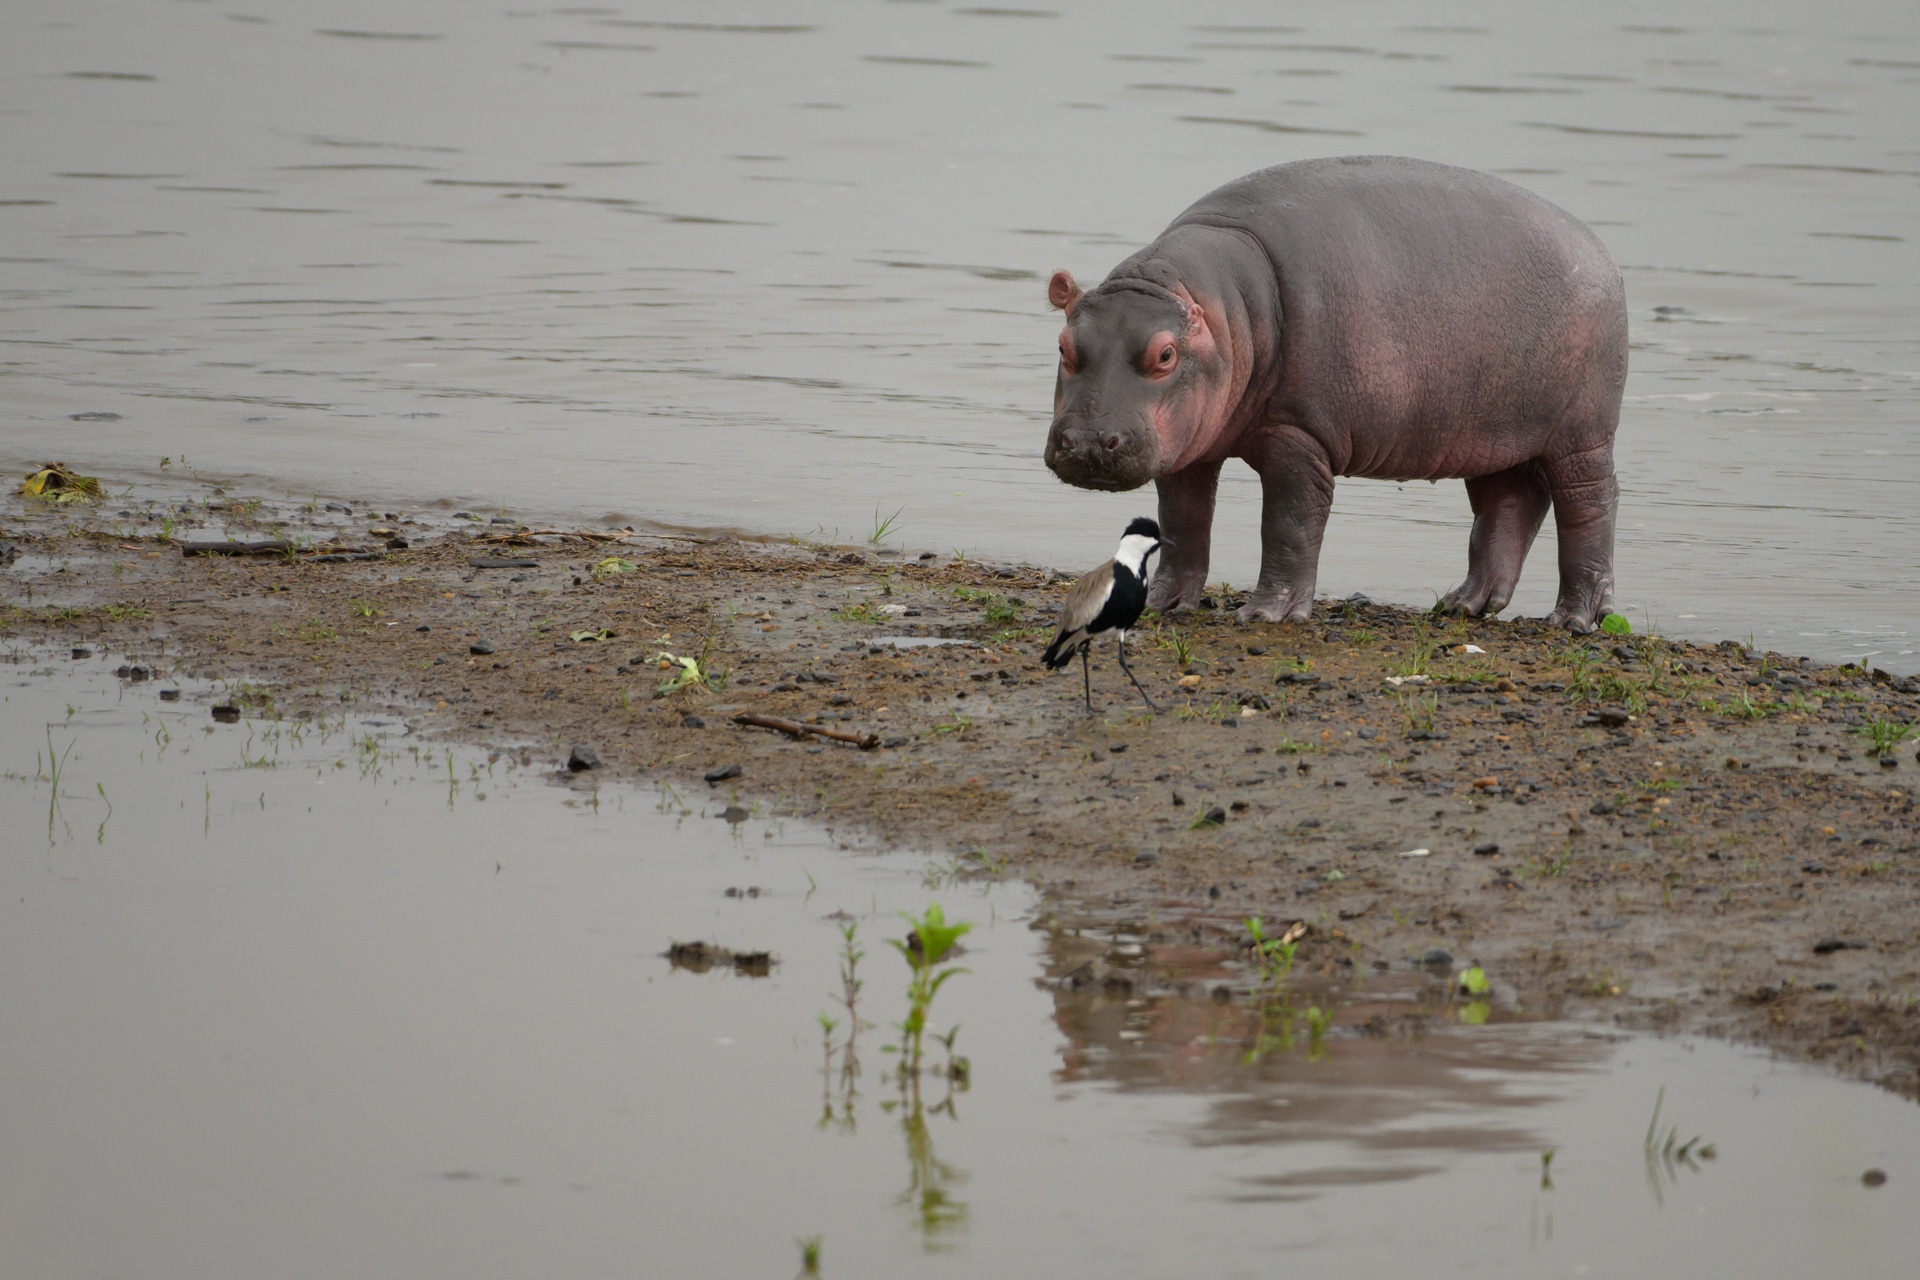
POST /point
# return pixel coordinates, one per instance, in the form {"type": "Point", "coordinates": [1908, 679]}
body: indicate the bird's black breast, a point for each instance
{"type": "Point", "coordinates": [1125, 602]}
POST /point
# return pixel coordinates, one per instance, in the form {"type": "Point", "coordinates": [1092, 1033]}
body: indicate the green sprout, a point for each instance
{"type": "Point", "coordinates": [929, 942]}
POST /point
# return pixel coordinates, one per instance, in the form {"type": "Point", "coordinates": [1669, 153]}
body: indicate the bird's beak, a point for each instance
{"type": "Point", "coordinates": [1164, 542]}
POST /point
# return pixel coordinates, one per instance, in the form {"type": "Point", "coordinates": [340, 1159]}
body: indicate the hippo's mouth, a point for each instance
{"type": "Point", "coordinates": [1113, 464]}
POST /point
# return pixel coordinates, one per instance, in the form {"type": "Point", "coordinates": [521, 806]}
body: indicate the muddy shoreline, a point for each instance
{"type": "Point", "coordinates": [1639, 829]}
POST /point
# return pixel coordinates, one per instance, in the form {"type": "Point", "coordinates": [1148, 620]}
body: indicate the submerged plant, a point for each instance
{"type": "Point", "coordinates": [924, 948]}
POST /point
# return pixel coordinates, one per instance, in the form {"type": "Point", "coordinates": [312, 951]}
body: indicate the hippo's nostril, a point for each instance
{"type": "Point", "coordinates": [1111, 443]}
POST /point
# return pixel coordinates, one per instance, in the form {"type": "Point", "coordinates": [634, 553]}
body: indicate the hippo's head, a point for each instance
{"type": "Point", "coordinates": [1141, 382]}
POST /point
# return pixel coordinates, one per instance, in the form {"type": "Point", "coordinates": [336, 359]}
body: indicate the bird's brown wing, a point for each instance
{"type": "Point", "coordinates": [1079, 609]}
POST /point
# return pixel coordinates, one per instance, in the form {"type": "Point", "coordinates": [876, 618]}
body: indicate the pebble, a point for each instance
{"type": "Point", "coordinates": [735, 814]}
{"type": "Point", "coordinates": [169, 695]}
{"type": "Point", "coordinates": [582, 758]}
{"type": "Point", "coordinates": [1436, 956]}
{"type": "Point", "coordinates": [692, 721]}
{"type": "Point", "coordinates": [721, 773]}
{"type": "Point", "coordinates": [480, 647]}
{"type": "Point", "coordinates": [1486, 850]}
{"type": "Point", "coordinates": [1873, 1178]}
{"type": "Point", "coordinates": [227, 713]}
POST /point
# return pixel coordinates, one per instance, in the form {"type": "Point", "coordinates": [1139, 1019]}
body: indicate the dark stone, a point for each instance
{"type": "Point", "coordinates": [721, 773]}
{"type": "Point", "coordinates": [82, 653]}
{"type": "Point", "coordinates": [169, 695]}
{"type": "Point", "coordinates": [1613, 717]}
{"type": "Point", "coordinates": [896, 742]}
{"type": "Point", "coordinates": [227, 713]}
{"type": "Point", "coordinates": [1873, 1178]}
{"type": "Point", "coordinates": [503, 562]}
{"type": "Point", "coordinates": [1116, 747]}
{"type": "Point", "coordinates": [1601, 807]}
{"type": "Point", "coordinates": [1436, 957]}
{"type": "Point", "coordinates": [1486, 850]}
{"type": "Point", "coordinates": [1215, 815]}
{"type": "Point", "coordinates": [1827, 946]}
{"type": "Point", "coordinates": [1230, 722]}
{"type": "Point", "coordinates": [735, 814]}
{"type": "Point", "coordinates": [1145, 858]}
{"type": "Point", "coordinates": [582, 759]}
{"type": "Point", "coordinates": [397, 543]}
{"type": "Point", "coordinates": [95, 416]}
{"type": "Point", "coordinates": [341, 507]}
{"type": "Point", "coordinates": [692, 721]}
{"type": "Point", "coordinates": [480, 647]}
{"type": "Point", "coordinates": [423, 628]}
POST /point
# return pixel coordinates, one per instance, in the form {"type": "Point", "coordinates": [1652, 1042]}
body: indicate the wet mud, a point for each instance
{"type": "Point", "coordinates": [1635, 829]}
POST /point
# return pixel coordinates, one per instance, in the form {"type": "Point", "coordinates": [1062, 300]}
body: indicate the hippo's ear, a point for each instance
{"type": "Point", "coordinates": [1197, 331]}
{"type": "Point", "coordinates": [1062, 292]}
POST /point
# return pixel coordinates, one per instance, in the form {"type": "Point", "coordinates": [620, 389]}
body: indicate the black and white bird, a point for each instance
{"type": "Point", "coordinates": [1108, 599]}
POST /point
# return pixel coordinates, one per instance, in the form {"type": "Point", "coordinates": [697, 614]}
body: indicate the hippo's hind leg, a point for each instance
{"type": "Point", "coordinates": [1186, 521]}
{"type": "Point", "coordinates": [1586, 500]}
{"type": "Point", "coordinates": [1508, 507]}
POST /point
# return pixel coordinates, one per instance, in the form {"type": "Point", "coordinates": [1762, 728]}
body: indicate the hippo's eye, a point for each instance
{"type": "Point", "coordinates": [1166, 355]}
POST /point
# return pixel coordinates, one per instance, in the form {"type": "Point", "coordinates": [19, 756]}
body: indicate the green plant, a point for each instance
{"type": "Point", "coordinates": [1417, 712]}
{"type": "Point", "coordinates": [1615, 624]}
{"type": "Point", "coordinates": [954, 723]}
{"type": "Point", "coordinates": [363, 606]}
{"type": "Point", "coordinates": [809, 1253]}
{"type": "Point", "coordinates": [864, 612]}
{"type": "Point", "coordinates": [1182, 645]}
{"type": "Point", "coordinates": [1287, 746]}
{"type": "Point", "coordinates": [696, 673]}
{"type": "Point", "coordinates": [1317, 1024]}
{"type": "Point", "coordinates": [1743, 706]}
{"type": "Point", "coordinates": [1665, 1153]}
{"type": "Point", "coordinates": [612, 566]}
{"type": "Point", "coordinates": [1274, 955]}
{"type": "Point", "coordinates": [925, 947]}
{"type": "Point", "coordinates": [1886, 734]}
{"type": "Point", "coordinates": [1420, 657]}
{"type": "Point", "coordinates": [881, 528]}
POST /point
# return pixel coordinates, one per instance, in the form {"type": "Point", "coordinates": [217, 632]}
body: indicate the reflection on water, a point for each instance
{"type": "Point", "coordinates": [1374, 1074]}
{"type": "Point", "coordinates": [719, 270]}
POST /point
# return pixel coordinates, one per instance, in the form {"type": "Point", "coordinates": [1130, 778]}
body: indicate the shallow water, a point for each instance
{"type": "Point", "coordinates": [296, 999]}
{"type": "Point", "coordinates": [783, 271]}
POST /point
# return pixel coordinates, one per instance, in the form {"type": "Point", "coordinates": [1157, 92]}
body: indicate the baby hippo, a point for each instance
{"type": "Point", "coordinates": [1361, 316]}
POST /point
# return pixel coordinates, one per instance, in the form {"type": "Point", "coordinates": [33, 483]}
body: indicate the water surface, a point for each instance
{"type": "Point", "coordinates": [783, 269]}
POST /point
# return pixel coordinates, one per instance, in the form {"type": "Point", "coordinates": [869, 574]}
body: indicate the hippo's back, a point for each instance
{"type": "Point", "coordinates": [1419, 296]}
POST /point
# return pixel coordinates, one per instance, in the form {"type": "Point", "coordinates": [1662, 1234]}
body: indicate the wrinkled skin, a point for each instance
{"type": "Point", "coordinates": [1363, 316]}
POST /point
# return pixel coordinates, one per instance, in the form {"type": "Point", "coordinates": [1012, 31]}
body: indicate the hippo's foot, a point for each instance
{"type": "Point", "coordinates": [1168, 596]}
{"type": "Point", "coordinates": [1280, 604]}
{"type": "Point", "coordinates": [1580, 617]}
{"type": "Point", "coordinates": [1472, 600]}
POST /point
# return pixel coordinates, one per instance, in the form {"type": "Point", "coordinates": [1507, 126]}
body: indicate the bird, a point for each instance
{"type": "Point", "coordinates": [1108, 599]}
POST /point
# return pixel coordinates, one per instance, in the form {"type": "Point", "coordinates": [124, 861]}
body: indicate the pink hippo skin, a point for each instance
{"type": "Point", "coordinates": [1362, 316]}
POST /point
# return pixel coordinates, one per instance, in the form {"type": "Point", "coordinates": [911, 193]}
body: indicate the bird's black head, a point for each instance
{"type": "Point", "coordinates": [1143, 528]}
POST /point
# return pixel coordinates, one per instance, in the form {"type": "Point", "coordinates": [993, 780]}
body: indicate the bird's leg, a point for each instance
{"type": "Point", "coordinates": [1129, 670]}
{"type": "Point", "coordinates": [1085, 679]}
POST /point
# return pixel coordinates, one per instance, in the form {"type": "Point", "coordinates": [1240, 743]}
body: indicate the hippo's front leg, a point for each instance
{"type": "Point", "coordinates": [1186, 521]}
{"type": "Point", "coordinates": [1296, 496]}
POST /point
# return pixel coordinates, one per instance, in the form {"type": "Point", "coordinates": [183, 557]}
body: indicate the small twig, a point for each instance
{"type": "Point", "coordinates": [865, 741]}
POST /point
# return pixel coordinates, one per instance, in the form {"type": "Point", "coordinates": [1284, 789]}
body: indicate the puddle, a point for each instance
{"type": "Point", "coordinates": [324, 999]}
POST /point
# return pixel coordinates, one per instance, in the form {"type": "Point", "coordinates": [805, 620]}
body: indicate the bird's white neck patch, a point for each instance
{"type": "Point", "coordinates": [1133, 553]}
